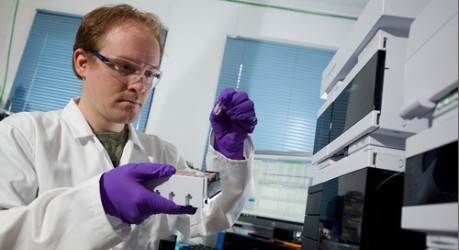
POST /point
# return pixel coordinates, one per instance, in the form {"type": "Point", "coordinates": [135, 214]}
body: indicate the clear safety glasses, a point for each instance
{"type": "Point", "coordinates": [130, 72]}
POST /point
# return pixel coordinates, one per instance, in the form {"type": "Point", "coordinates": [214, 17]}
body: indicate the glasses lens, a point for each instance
{"type": "Point", "coordinates": [151, 77]}
{"type": "Point", "coordinates": [156, 78]}
{"type": "Point", "coordinates": [129, 72]}
{"type": "Point", "coordinates": [122, 67]}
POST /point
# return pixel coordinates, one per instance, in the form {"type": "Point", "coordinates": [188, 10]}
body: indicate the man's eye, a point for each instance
{"type": "Point", "coordinates": [124, 68]}
{"type": "Point", "coordinates": [149, 74]}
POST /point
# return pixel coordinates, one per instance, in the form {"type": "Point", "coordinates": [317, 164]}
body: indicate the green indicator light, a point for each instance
{"type": "Point", "coordinates": [446, 101]}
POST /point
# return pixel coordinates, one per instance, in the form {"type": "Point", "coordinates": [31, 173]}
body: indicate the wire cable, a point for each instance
{"type": "Point", "coordinates": [9, 51]}
{"type": "Point", "coordinates": [293, 9]}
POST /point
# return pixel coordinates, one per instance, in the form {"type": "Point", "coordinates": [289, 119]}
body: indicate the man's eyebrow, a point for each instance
{"type": "Point", "coordinates": [132, 61]}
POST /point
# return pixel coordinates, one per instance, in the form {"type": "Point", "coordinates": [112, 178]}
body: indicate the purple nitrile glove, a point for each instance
{"type": "Point", "coordinates": [232, 119]}
{"type": "Point", "coordinates": [124, 196]}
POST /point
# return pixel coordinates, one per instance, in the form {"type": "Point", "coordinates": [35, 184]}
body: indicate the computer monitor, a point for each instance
{"type": "Point", "coordinates": [281, 182]}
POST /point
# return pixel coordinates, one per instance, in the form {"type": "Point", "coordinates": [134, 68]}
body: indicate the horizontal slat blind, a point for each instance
{"type": "Point", "coordinates": [45, 80]}
{"type": "Point", "coordinates": [284, 82]}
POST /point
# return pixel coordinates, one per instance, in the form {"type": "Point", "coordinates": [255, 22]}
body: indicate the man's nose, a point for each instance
{"type": "Point", "coordinates": [137, 82]}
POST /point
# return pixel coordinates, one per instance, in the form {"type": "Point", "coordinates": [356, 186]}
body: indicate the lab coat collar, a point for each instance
{"type": "Point", "coordinates": [135, 137]}
{"type": "Point", "coordinates": [76, 121]}
{"type": "Point", "coordinates": [80, 128]}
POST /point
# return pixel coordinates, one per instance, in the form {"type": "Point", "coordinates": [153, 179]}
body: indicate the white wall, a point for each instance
{"type": "Point", "coordinates": [194, 50]}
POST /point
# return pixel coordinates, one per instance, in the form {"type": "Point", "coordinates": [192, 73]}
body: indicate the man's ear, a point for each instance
{"type": "Point", "coordinates": [80, 63]}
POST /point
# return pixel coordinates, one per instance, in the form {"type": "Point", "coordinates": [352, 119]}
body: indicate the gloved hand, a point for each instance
{"type": "Point", "coordinates": [124, 196]}
{"type": "Point", "coordinates": [232, 119]}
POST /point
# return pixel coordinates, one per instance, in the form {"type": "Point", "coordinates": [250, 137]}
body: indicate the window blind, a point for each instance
{"type": "Point", "coordinates": [44, 80]}
{"type": "Point", "coordinates": [283, 80]}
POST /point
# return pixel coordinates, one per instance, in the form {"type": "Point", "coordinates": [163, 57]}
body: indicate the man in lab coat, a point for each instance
{"type": "Point", "coordinates": [72, 178]}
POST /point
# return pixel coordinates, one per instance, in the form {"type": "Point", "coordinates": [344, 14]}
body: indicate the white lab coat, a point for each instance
{"type": "Point", "coordinates": [50, 165]}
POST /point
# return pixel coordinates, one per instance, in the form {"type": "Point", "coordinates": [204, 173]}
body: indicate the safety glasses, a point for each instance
{"type": "Point", "coordinates": [129, 72]}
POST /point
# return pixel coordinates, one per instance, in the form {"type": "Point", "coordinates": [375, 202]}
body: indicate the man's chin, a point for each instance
{"type": "Point", "coordinates": [130, 119]}
{"type": "Point", "coordinates": [127, 117]}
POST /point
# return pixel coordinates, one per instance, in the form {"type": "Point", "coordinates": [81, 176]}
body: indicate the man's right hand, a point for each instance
{"type": "Point", "coordinates": [124, 196]}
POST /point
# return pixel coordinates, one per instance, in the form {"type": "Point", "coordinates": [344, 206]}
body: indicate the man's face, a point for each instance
{"type": "Point", "coordinates": [107, 101]}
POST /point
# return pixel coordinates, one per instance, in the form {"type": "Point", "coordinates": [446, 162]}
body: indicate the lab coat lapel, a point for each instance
{"type": "Point", "coordinates": [133, 150]}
